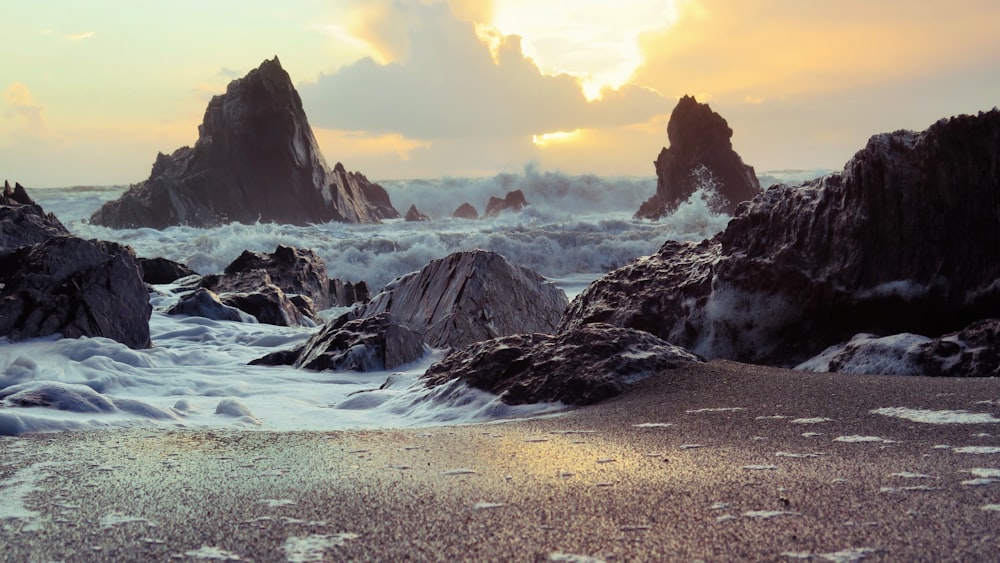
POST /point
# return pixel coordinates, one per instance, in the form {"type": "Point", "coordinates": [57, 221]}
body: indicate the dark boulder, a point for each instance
{"type": "Point", "coordinates": [369, 344]}
{"type": "Point", "coordinates": [513, 201]}
{"type": "Point", "coordinates": [578, 367]}
{"type": "Point", "coordinates": [471, 296]}
{"type": "Point", "coordinates": [701, 155]}
{"type": "Point", "coordinates": [294, 270]}
{"type": "Point", "coordinates": [256, 159]}
{"type": "Point", "coordinates": [23, 222]}
{"type": "Point", "coordinates": [414, 215]}
{"type": "Point", "coordinates": [973, 351]}
{"type": "Point", "coordinates": [204, 303]}
{"type": "Point", "coordinates": [905, 239]}
{"type": "Point", "coordinates": [254, 292]}
{"type": "Point", "coordinates": [161, 270]}
{"type": "Point", "coordinates": [74, 287]}
{"type": "Point", "coordinates": [465, 211]}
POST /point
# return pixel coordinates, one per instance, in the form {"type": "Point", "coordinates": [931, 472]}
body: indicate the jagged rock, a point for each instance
{"type": "Point", "coordinates": [471, 296]}
{"type": "Point", "coordinates": [161, 270]}
{"type": "Point", "coordinates": [701, 155]}
{"type": "Point", "coordinates": [466, 211]}
{"type": "Point", "coordinates": [204, 303]}
{"type": "Point", "coordinates": [74, 287]}
{"type": "Point", "coordinates": [513, 201]}
{"type": "Point", "coordinates": [344, 293]}
{"type": "Point", "coordinates": [578, 367]}
{"type": "Point", "coordinates": [23, 222]}
{"type": "Point", "coordinates": [370, 344]}
{"type": "Point", "coordinates": [971, 352]}
{"type": "Point", "coordinates": [256, 159]}
{"type": "Point", "coordinates": [254, 292]}
{"type": "Point", "coordinates": [905, 239]}
{"type": "Point", "coordinates": [294, 270]}
{"type": "Point", "coordinates": [413, 214]}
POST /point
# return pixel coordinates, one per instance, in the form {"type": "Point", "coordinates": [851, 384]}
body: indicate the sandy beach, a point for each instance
{"type": "Point", "coordinates": [722, 462]}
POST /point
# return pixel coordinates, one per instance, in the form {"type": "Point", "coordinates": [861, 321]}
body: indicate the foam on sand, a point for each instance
{"type": "Point", "coordinates": [929, 416]}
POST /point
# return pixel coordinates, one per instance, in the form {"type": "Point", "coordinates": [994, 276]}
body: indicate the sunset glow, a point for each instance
{"type": "Point", "coordinates": [442, 87]}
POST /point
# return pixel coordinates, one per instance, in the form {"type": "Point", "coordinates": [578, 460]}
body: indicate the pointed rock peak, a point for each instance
{"type": "Point", "coordinates": [339, 168]}
{"type": "Point", "coordinates": [694, 125]}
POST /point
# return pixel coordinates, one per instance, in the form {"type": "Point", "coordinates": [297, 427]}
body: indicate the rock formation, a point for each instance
{"type": "Point", "coordinates": [466, 211]}
{"type": "Point", "coordinates": [905, 239]}
{"type": "Point", "coordinates": [513, 201]}
{"type": "Point", "coordinates": [371, 344]}
{"type": "Point", "coordinates": [578, 367]}
{"type": "Point", "coordinates": [74, 287]}
{"type": "Point", "coordinates": [701, 155]}
{"type": "Point", "coordinates": [160, 270]}
{"type": "Point", "coordinates": [471, 296]}
{"type": "Point", "coordinates": [414, 215]}
{"type": "Point", "coordinates": [295, 271]}
{"type": "Point", "coordinates": [204, 303]}
{"type": "Point", "coordinates": [54, 283]}
{"type": "Point", "coordinates": [256, 159]}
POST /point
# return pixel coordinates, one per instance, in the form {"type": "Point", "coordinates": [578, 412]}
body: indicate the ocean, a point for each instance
{"type": "Point", "coordinates": [575, 229]}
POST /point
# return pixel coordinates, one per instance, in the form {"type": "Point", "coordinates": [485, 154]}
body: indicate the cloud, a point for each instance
{"type": "Point", "coordinates": [22, 108]}
{"type": "Point", "coordinates": [443, 82]}
{"type": "Point", "coordinates": [80, 36]}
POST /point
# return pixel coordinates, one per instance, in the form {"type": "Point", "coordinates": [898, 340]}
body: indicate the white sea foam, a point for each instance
{"type": "Point", "coordinates": [196, 374]}
{"type": "Point", "coordinates": [928, 416]}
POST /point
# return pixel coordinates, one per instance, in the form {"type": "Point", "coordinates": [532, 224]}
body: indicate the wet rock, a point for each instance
{"type": "Point", "coordinates": [204, 303]}
{"type": "Point", "coordinates": [471, 296]}
{"type": "Point", "coordinates": [161, 270]}
{"type": "Point", "coordinates": [294, 270]}
{"type": "Point", "coordinates": [256, 159]}
{"type": "Point", "coordinates": [513, 201]}
{"type": "Point", "coordinates": [370, 344]}
{"type": "Point", "coordinates": [254, 292]}
{"type": "Point", "coordinates": [578, 367]}
{"type": "Point", "coordinates": [701, 155]}
{"type": "Point", "coordinates": [74, 287]}
{"type": "Point", "coordinates": [413, 214]}
{"type": "Point", "coordinates": [345, 293]}
{"type": "Point", "coordinates": [905, 239]}
{"type": "Point", "coordinates": [466, 211]}
{"type": "Point", "coordinates": [23, 222]}
{"type": "Point", "coordinates": [973, 351]}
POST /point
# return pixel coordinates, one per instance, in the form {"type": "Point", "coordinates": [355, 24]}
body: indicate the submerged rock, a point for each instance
{"type": "Point", "coordinates": [471, 296]}
{"type": "Point", "coordinates": [513, 201]}
{"type": "Point", "coordinates": [905, 239]}
{"type": "Point", "coordinates": [578, 367]}
{"type": "Point", "coordinates": [204, 303]}
{"type": "Point", "coordinates": [466, 211]}
{"type": "Point", "coordinates": [701, 155]}
{"type": "Point", "coordinates": [256, 159]}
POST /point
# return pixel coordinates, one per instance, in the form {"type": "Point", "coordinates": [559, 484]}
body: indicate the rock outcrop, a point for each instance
{"type": "Point", "coordinates": [513, 201]}
{"type": "Point", "coordinates": [294, 270]}
{"type": "Point", "coordinates": [905, 239]}
{"type": "Point", "coordinates": [160, 270]}
{"type": "Point", "coordinates": [701, 155]}
{"type": "Point", "coordinates": [470, 296]}
{"type": "Point", "coordinates": [578, 367]}
{"type": "Point", "coordinates": [414, 215]}
{"type": "Point", "coordinates": [54, 283]}
{"type": "Point", "coordinates": [256, 159]}
{"type": "Point", "coordinates": [74, 287]}
{"type": "Point", "coordinates": [371, 344]}
{"type": "Point", "coordinates": [466, 211]}
{"type": "Point", "coordinates": [204, 303]}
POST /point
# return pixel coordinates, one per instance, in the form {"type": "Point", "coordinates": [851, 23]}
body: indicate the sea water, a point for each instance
{"type": "Point", "coordinates": [574, 229]}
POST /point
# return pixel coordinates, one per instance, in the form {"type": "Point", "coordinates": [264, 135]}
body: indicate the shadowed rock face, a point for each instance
{"type": "Point", "coordinates": [413, 214]}
{"type": "Point", "coordinates": [204, 303]}
{"type": "Point", "coordinates": [23, 222]}
{"type": "Point", "coordinates": [160, 270]}
{"type": "Point", "coordinates": [471, 296]}
{"type": "Point", "coordinates": [905, 239]}
{"type": "Point", "coordinates": [578, 367]}
{"type": "Point", "coordinates": [700, 155]}
{"type": "Point", "coordinates": [256, 159]}
{"type": "Point", "coordinates": [466, 211]}
{"type": "Point", "coordinates": [74, 287]}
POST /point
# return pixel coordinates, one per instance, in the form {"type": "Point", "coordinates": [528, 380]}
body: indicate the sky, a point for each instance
{"type": "Point", "coordinates": [91, 91]}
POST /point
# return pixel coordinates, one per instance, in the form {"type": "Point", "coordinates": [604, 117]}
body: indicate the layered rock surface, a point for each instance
{"type": "Point", "coordinates": [256, 159]}
{"type": "Point", "coordinates": [471, 296]}
{"type": "Point", "coordinates": [701, 155]}
{"type": "Point", "coordinates": [582, 366]}
{"type": "Point", "coordinates": [905, 239]}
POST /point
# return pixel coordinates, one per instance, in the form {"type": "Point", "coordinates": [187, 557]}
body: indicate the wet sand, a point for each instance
{"type": "Point", "coordinates": [709, 463]}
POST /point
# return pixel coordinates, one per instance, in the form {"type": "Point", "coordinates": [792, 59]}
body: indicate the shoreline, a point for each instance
{"type": "Point", "coordinates": [692, 464]}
